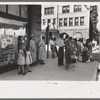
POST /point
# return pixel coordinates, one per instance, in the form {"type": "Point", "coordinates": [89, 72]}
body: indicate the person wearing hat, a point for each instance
{"type": "Point", "coordinates": [42, 50]}
{"type": "Point", "coordinates": [32, 49]}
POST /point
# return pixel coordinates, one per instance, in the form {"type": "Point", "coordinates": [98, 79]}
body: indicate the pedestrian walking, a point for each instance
{"type": "Point", "coordinates": [28, 60]}
{"type": "Point", "coordinates": [32, 49]}
{"type": "Point", "coordinates": [61, 50]}
{"type": "Point", "coordinates": [21, 60]}
{"type": "Point", "coordinates": [42, 50]}
{"type": "Point", "coordinates": [52, 45]}
{"type": "Point", "coordinates": [55, 44]}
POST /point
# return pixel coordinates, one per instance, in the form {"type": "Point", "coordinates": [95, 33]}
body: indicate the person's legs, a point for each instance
{"type": "Point", "coordinates": [56, 51]}
{"type": "Point", "coordinates": [62, 56]}
{"type": "Point", "coordinates": [19, 70]}
{"type": "Point", "coordinates": [28, 68]}
{"type": "Point", "coordinates": [53, 51]}
{"type": "Point", "coordinates": [59, 57]}
{"type": "Point", "coordinates": [23, 70]}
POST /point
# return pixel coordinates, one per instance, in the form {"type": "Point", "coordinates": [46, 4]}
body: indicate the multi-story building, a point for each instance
{"type": "Point", "coordinates": [72, 19]}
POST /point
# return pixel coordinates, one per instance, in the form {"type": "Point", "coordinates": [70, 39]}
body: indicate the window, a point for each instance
{"type": "Point", "coordinates": [81, 20]}
{"type": "Point", "coordinates": [54, 21]}
{"type": "Point", "coordinates": [76, 21]}
{"type": "Point", "coordinates": [70, 21]}
{"type": "Point", "coordinates": [44, 21]}
{"type": "Point", "coordinates": [60, 22]}
{"type": "Point", "coordinates": [65, 9]}
{"type": "Point", "coordinates": [65, 21]}
{"type": "Point", "coordinates": [77, 8]}
{"type": "Point", "coordinates": [49, 11]}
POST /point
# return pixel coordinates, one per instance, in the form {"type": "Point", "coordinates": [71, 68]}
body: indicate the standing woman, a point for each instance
{"type": "Point", "coordinates": [32, 49]}
{"type": "Point", "coordinates": [42, 50]}
{"type": "Point", "coordinates": [20, 38]}
{"type": "Point", "coordinates": [61, 50]}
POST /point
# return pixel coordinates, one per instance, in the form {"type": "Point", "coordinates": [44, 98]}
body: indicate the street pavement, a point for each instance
{"type": "Point", "coordinates": [51, 71]}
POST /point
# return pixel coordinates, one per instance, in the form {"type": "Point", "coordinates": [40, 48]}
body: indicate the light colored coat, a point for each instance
{"type": "Point", "coordinates": [32, 48]}
{"type": "Point", "coordinates": [42, 50]}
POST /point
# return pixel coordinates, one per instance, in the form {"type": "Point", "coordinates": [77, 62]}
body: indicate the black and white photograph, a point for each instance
{"type": "Point", "coordinates": [50, 42]}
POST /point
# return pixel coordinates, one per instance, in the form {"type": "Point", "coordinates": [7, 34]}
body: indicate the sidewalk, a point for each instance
{"type": "Point", "coordinates": [51, 71]}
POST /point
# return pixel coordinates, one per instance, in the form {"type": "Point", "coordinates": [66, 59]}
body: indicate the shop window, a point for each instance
{"type": "Point", "coordinates": [76, 21]}
{"type": "Point", "coordinates": [65, 9]}
{"type": "Point", "coordinates": [77, 8]}
{"type": "Point", "coordinates": [24, 11]}
{"type": "Point", "coordinates": [65, 21]}
{"type": "Point", "coordinates": [14, 10]}
{"type": "Point", "coordinates": [3, 8]}
{"type": "Point", "coordinates": [81, 20]}
{"type": "Point", "coordinates": [60, 22]}
{"type": "Point", "coordinates": [49, 11]}
{"type": "Point", "coordinates": [70, 21]}
{"type": "Point", "coordinates": [8, 45]}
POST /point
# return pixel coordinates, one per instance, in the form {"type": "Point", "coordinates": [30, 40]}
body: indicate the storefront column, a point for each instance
{"type": "Point", "coordinates": [34, 23]}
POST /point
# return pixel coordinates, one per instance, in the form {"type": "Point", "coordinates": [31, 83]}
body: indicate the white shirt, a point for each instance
{"type": "Point", "coordinates": [61, 43]}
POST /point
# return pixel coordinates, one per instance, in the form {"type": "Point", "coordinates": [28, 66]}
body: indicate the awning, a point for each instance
{"type": "Point", "coordinates": [10, 23]}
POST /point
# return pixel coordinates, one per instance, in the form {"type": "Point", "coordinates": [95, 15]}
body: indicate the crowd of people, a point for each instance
{"type": "Point", "coordinates": [75, 50]}
{"type": "Point", "coordinates": [27, 54]}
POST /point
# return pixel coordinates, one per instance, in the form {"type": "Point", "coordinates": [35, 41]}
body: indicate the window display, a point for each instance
{"type": "Point", "coordinates": [8, 45]}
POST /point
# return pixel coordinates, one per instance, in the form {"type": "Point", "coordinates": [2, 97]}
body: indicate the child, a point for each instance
{"type": "Point", "coordinates": [85, 55]}
{"type": "Point", "coordinates": [28, 60]}
{"type": "Point", "coordinates": [21, 60]}
{"type": "Point", "coordinates": [73, 59]}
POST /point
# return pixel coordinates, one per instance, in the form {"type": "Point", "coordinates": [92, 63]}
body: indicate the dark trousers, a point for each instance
{"type": "Point", "coordinates": [61, 56]}
{"type": "Point", "coordinates": [56, 51]}
{"type": "Point", "coordinates": [53, 51]}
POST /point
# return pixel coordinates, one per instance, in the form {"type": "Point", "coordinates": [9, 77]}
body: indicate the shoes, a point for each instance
{"type": "Point", "coordinates": [19, 73]}
{"type": "Point", "coordinates": [29, 71]}
{"type": "Point", "coordinates": [24, 73]}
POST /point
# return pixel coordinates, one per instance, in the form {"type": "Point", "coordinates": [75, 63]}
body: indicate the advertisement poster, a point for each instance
{"type": "Point", "coordinates": [8, 51]}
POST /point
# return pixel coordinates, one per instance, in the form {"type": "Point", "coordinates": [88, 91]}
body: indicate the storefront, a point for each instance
{"type": "Point", "coordinates": [9, 32]}
{"type": "Point", "coordinates": [12, 25]}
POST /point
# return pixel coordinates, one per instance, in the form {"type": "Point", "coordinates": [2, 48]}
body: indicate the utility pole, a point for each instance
{"type": "Point", "coordinates": [57, 15]}
{"type": "Point", "coordinates": [47, 32]}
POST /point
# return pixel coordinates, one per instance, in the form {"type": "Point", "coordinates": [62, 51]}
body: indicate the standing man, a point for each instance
{"type": "Point", "coordinates": [67, 51]}
{"type": "Point", "coordinates": [61, 50]}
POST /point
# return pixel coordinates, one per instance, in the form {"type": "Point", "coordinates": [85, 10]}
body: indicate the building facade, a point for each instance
{"type": "Point", "coordinates": [72, 19]}
{"type": "Point", "coordinates": [17, 20]}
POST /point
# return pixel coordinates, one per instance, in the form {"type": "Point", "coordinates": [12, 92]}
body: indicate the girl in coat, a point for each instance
{"type": "Point", "coordinates": [21, 60]}
{"type": "Point", "coordinates": [28, 60]}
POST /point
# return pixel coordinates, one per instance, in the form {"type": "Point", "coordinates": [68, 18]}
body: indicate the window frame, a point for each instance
{"type": "Point", "coordinates": [70, 23]}
{"type": "Point", "coordinates": [60, 22]}
{"type": "Point", "coordinates": [67, 9]}
{"type": "Point", "coordinates": [65, 21]}
{"type": "Point", "coordinates": [82, 22]}
{"type": "Point", "coordinates": [77, 8]}
{"type": "Point", "coordinates": [49, 11]}
{"type": "Point", "coordinates": [76, 22]}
